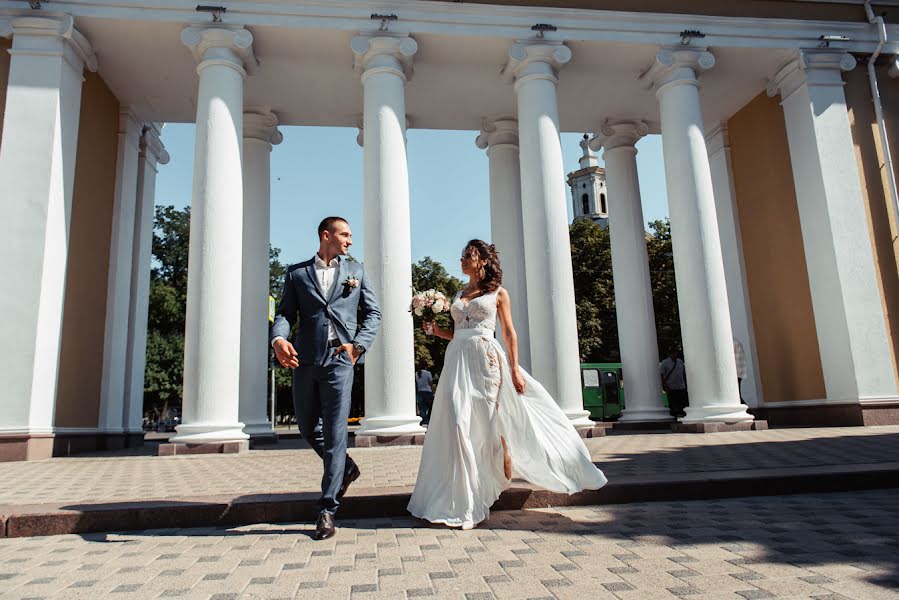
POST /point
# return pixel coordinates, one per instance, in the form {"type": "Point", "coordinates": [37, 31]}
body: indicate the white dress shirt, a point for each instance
{"type": "Point", "coordinates": [325, 274]}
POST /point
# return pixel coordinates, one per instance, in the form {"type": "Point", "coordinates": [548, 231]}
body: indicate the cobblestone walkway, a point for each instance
{"type": "Point", "coordinates": [290, 468]}
{"type": "Point", "coordinates": [822, 546]}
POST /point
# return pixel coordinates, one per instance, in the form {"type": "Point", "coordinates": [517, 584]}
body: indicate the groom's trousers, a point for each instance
{"type": "Point", "coordinates": [322, 393]}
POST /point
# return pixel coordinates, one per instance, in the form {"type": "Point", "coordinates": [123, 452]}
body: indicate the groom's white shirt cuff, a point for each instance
{"type": "Point", "coordinates": [276, 338]}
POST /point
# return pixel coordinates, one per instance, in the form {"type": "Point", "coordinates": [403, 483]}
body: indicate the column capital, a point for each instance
{"type": "Point", "coordinates": [530, 59]}
{"type": "Point", "coordinates": [383, 53]}
{"type": "Point", "coordinates": [497, 131]}
{"type": "Point", "coordinates": [228, 46]}
{"type": "Point", "coordinates": [680, 64]}
{"type": "Point", "coordinates": [260, 123]}
{"type": "Point", "coordinates": [151, 146]}
{"type": "Point", "coordinates": [44, 33]}
{"type": "Point", "coordinates": [618, 134]}
{"type": "Point", "coordinates": [813, 66]}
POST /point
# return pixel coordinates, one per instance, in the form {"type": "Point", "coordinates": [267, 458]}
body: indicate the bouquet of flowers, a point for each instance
{"type": "Point", "coordinates": [429, 304]}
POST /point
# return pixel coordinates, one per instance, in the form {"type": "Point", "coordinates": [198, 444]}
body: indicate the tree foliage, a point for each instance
{"type": "Point", "coordinates": [664, 288]}
{"type": "Point", "coordinates": [429, 274]}
{"type": "Point", "coordinates": [594, 295]}
{"type": "Point", "coordinates": [164, 371]}
{"type": "Point", "coordinates": [594, 290]}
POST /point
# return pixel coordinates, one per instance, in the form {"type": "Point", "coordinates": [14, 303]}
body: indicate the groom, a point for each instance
{"type": "Point", "coordinates": [339, 318]}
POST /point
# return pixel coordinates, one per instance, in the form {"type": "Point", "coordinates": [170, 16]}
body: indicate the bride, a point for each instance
{"type": "Point", "coordinates": [489, 416]}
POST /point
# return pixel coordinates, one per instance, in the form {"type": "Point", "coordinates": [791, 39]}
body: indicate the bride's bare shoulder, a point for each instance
{"type": "Point", "coordinates": [501, 294]}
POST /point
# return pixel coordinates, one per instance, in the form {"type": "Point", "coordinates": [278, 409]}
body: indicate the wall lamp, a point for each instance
{"type": "Point", "coordinates": [217, 11]}
{"type": "Point", "coordinates": [542, 28]}
{"type": "Point", "coordinates": [384, 19]}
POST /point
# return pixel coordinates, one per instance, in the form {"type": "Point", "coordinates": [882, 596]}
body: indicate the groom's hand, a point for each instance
{"type": "Point", "coordinates": [286, 354]}
{"type": "Point", "coordinates": [351, 351]}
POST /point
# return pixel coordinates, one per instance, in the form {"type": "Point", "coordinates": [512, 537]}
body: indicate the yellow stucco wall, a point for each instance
{"type": "Point", "coordinates": [786, 340]}
{"type": "Point", "coordinates": [81, 359]}
{"type": "Point", "coordinates": [868, 151]}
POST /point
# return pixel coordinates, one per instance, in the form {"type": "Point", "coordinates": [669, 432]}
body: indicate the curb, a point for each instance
{"type": "Point", "coordinates": [217, 511]}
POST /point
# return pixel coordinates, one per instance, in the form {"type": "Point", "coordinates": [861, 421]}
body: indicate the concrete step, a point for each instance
{"type": "Point", "coordinates": [58, 519]}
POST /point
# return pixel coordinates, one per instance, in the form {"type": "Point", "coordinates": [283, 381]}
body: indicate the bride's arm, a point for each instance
{"type": "Point", "coordinates": [437, 330]}
{"type": "Point", "coordinates": [504, 311]}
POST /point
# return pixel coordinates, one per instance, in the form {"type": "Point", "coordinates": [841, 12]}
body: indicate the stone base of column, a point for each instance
{"type": "Point", "coordinates": [826, 414]}
{"type": "Point", "coordinates": [712, 427]}
{"type": "Point", "coordinates": [260, 433]}
{"type": "Point", "coordinates": [598, 430]}
{"type": "Point", "coordinates": [641, 416]}
{"type": "Point", "coordinates": [209, 433]}
{"type": "Point", "coordinates": [263, 439]}
{"type": "Point", "coordinates": [390, 426]}
{"type": "Point", "coordinates": [25, 446]}
{"type": "Point", "coordinates": [371, 441]}
{"type": "Point", "coordinates": [579, 418]}
{"type": "Point", "coordinates": [722, 413]}
{"type": "Point", "coordinates": [644, 425]}
{"type": "Point", "coordinates": [134, 439]}
{"type": "Point", "coordinates": [38, 446]}
{"type": "Point", "coordinates": [209, 448]}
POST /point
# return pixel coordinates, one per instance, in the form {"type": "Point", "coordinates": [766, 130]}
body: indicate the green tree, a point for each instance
{"type": "Point", "coordinates": [664, 287]}
{"type": "Point", "coordinates": [594, 292]}
{"type": "Point", "coordinates": [164, 371]}
{"type": "Point", "coordinates": [429, 274]}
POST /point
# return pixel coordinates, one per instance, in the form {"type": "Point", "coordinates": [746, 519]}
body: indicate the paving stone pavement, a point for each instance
{"type": "Point", "coordinates": [821, 546]}
{"type": "Point", "coordinates": [291, 467]}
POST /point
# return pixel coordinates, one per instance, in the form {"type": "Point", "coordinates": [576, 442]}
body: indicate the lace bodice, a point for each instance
{"type": "Point", "coordinates": [477, 313]}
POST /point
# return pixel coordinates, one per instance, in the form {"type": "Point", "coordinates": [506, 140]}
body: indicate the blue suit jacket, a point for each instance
{"type": "Point", "coordinates": [353, 311]}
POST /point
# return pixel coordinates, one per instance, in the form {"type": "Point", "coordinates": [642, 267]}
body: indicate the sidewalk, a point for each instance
{"type": "Point", "coordinates": [119, 491]}
{"type": "Point", "coordinates": [821, 546]}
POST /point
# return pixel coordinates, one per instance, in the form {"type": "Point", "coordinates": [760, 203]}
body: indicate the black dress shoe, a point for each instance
{"type": "Point", "coordinates": [324, 528]}
{"type": "Point", "coordinates": [348, 477]}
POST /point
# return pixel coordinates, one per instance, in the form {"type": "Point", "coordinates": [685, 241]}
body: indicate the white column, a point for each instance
{"type": "Point", "coordinates": [385, 63]}
{"type": "Point", "coordinates": [499, 136]}
{"type": "Point", "coordinates": [699, 270]}
{"type": "Point", "coordinates": [118, 281]}
{"type": "Point", "coordinates": [849, 315]}
{"type": "Point", "coordinates": [260, 131]}
{"type": "Point", "coordinates": [732, 254]}
{"type": "Point", "coordinates": [37, 169]}
{"type": "Point", "coordinates": [152, 153]}
{"type": "Point", "coordinates": [555, 359]}
{"type": "Point", "coordinates": [212, 322]}
{"type": "Point", "coordinates": [630, 271]}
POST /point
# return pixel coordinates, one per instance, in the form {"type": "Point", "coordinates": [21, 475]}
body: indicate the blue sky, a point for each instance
{"type": "Point", "coordinates": [317, 172]}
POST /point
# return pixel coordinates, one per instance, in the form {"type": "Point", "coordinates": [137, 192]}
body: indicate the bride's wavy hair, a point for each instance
{"type": "Point", "coordinates": [490, 276]}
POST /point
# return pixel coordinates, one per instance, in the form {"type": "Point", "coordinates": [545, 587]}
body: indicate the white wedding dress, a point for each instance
{"type": "Point", "coordinates": [461, 473]}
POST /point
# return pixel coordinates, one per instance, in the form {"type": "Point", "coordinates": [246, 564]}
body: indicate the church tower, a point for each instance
{"type": "Point", "coordinates": [589, 196]}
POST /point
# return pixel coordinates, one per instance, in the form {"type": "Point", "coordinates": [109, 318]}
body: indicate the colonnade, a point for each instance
{"type": "Point", "coordinates": [225, 346]}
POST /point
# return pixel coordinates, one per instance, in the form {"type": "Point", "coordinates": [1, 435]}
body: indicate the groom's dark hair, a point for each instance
{"type": "Point", "coordinates": [327, 224]}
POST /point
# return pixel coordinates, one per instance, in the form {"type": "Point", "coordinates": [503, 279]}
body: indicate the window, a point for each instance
{"type": "Point", "coordinates": [602, 204]}
{"type": "Point", "coordinates": [585, 204]}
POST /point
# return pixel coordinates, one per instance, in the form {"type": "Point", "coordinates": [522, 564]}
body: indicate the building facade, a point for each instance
{"type": "Point", "coordinates": [778, 121]}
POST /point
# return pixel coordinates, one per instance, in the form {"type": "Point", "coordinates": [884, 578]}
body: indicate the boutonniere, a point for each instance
{"type": "Point", "coordinates": [351, 282]}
